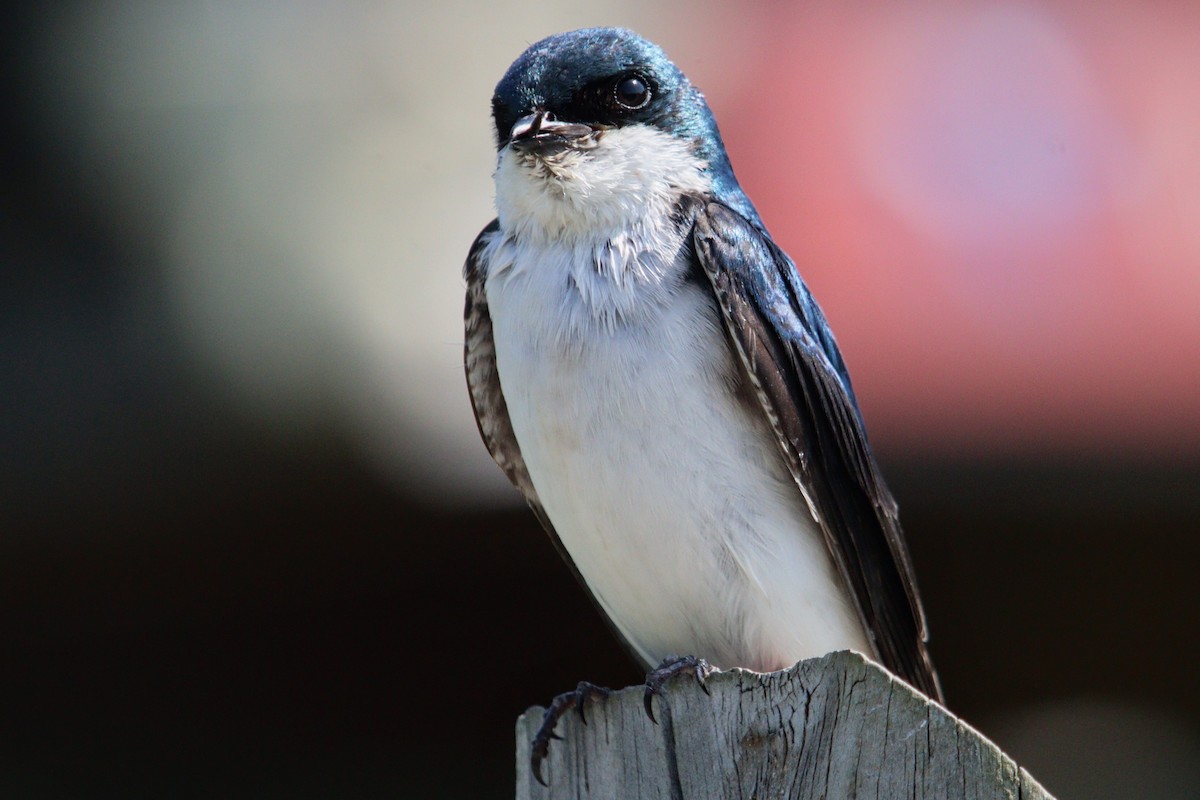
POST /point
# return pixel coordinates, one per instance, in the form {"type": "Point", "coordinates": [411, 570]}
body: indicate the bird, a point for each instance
{"type": "Point", "coordinates": [648, 368]}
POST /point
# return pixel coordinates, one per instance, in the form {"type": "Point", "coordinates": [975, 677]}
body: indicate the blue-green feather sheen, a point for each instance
{"type": "Point", "coordinates": [559, 73]}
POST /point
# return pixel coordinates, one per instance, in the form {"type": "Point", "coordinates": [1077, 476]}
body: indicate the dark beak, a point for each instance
{"type": "Point", "coordinates": [540, 130]}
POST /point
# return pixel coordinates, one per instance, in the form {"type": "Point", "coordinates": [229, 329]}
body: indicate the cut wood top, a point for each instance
{"type": "Point", "coordinates": [838, 726]}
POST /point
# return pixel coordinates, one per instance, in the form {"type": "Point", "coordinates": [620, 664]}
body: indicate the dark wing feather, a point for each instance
{"type": "Point", "coordinates": [491, 412]}
{"type": "Point", "coordinates": [793, 363]}
{"type": "Point", "coordinates": [483, 381]}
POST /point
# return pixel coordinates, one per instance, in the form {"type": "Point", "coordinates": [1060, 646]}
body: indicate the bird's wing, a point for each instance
{"type": "Point", "coordinates": [491, 411]}
{"type": "Point", "coordinates": [794, 365]}
{"type": "Point", "coordinates": [483, 380]}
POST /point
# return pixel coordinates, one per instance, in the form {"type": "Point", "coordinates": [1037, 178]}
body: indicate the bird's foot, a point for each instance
{"type": "Point", "coordinates": [560, 705]}
{"type": "Point", "coordinates": [669, 668]}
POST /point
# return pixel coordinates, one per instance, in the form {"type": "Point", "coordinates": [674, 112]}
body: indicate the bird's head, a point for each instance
{"type": "Point", "coordinates": [568, 90]}
{"type": "Point", "coordinates": [599, 119]}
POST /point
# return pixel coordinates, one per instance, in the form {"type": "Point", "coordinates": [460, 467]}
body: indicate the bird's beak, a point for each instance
{"type": "Point", "coordinates": [540, 130]}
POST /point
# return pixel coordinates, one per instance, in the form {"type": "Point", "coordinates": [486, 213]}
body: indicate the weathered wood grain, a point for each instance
{"type": "Point", "coordinates": [832, 727]}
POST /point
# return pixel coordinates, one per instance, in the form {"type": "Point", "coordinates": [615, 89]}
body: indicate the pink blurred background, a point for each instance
{"type": "Point", "coordinates": [997, 204]}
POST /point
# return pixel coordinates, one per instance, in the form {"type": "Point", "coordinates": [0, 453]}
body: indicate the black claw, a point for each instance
{"type": "Point", "coordinates": [576, 699]}
{"type": "Point", "coordinates": [583, 692]}
{"type": "Point", "coordinates": [669, 668]}
{"type": "Point", "coordinates": [541, 746]}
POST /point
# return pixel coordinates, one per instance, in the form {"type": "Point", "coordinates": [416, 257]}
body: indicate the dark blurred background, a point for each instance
{"type": "Point", "coordinates": [250, 545]}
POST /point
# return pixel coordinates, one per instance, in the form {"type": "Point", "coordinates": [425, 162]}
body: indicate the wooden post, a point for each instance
{"type": "Point", "coordinates": [832, 727]}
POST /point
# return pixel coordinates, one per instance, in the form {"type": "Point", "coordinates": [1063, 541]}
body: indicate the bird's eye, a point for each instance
{"type": "Point", "coordinates": [632, 92]}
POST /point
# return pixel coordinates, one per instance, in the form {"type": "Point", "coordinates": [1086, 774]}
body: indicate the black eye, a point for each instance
{"type": "Point", "coordinates": [631, 92]}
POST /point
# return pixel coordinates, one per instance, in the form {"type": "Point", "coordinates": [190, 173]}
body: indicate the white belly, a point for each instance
{"type": "Point", "coordinates": [666, 489]}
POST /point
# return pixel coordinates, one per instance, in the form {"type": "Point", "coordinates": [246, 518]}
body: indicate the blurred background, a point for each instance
{"type": "Point", "coordinates": [250, 544]}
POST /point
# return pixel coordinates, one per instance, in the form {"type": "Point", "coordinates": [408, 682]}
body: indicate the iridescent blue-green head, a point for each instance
{"type": "Point", "coordinates": [570, 96]}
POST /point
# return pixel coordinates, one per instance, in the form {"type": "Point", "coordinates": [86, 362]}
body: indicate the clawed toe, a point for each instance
{"type": "Point", "coordinates": [576, 699]}
{"type": "Point", "coordinates": [669, 668]}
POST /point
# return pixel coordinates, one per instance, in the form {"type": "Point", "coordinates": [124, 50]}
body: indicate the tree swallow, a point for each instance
{"type": "Point", "coordinates": [648, 368]}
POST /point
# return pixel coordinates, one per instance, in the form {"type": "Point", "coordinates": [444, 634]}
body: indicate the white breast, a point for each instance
{"type": "Point", "coordinates": [663, 483]}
